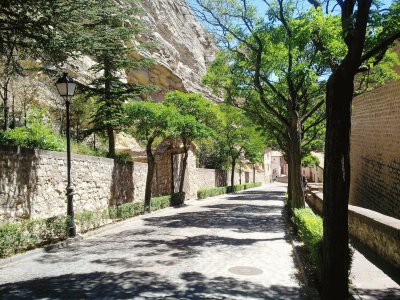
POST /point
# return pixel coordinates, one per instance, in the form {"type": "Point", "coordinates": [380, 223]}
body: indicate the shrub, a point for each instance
{"type": "Point", "coordinates": [11, 239]}
{"type": "Point", "coordinates": [57, 228]}
{"type": "Point", "coordinates": [37, 134]}
{"type": "Point", "coordinates": [177, 199]}
{"type": "Point", "coordinates": [112, 213]}
{"type": "Point", "coordinates": [89, 220]}
{"type": "Point", "coordinates": [241, 187]}
{"type": "Point", "coordinates": [83, 148]}
{"type": "Point", "coordinates": [204, 193]}
{"type": "Point", "coordinates": [252, 184]}
{"type": "Point", "coordinates": [17, 237]}
{"type": "Point", "coordinates": [123, 156]}
{"type": "Point", "coordinates": [125, 211]}
{"type": "Point", "coordinates": [238, 187]}
{"type": "Point", "coordinates": [160, 202]}
{"type": "Point", "coordinates": [310, 229]}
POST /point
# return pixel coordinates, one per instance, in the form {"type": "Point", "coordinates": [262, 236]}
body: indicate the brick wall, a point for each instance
{"type": "Point", "coordinates": [375, 150]}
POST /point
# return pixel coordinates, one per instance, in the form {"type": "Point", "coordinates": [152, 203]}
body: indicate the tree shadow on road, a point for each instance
{"type": "Point", "coordinates": [234, 218]}
{"type": "Point", "coordinates": [241, 218]}
{"type": "Point", "coordinates": [143, 285]}
{"type": "Point", "coordinates": [257, 195]}
{"type": "Point", "coordinates": [189, 247]}
{"type": "Point", "coordinates": [144, 246]}
{"type": "Point", "coordinates": [382, 294]}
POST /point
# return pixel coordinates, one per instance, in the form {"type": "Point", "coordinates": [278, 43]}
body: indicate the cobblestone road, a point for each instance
{"type": "Point", "coordinates": [226, 247]}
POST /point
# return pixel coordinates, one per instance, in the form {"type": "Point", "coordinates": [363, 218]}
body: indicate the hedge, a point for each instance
{"type": "Point", "coordinates": [19, 237]}
{"type": "Point", "coordinates": [310, 229]}
{"type": "Point", "coordinates": [205, 193]}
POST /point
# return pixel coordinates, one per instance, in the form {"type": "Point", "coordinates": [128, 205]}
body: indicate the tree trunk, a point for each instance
{"type": "Point", "coordinates": [336, 185]}
{"type": "Point", "coordinates": [13, 121]}
{"type": "Point", "coordinates": [111, 142]}
{"type": "Point", "coordinates": [26, 114]}
{"type": "Point", "coordinates": [297, 195]}
{"type": "Point", "coordinates": [290, 184]}
{"type": "Point", "coordinates": [184, 165]}
{"type": "Point", "coordinates": [233, 165]}
{"type": "Point", "coordinates": [6, 108]}
{"type": "Point", "coordinates": [150, 172]}
{"type": "Point", "coordinates": [107, 98]}
{"type": "Point", "coordinates": [6, 114]}
{"type": "Point", "coordinates": [240, 173]}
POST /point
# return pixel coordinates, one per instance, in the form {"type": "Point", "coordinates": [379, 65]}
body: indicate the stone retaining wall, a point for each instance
{"type": "Point", "coordinates": [209, 178]}
{"type": "Point", "coordinates": [33, 182]}
{"type": "Point", "coordinates": [378, 232]}
{"type": "Point", "coordinates": [259, 177]}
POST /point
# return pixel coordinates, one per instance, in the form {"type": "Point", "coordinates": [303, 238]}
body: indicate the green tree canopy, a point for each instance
{"type": "Point", "coordinates": [238, 138]}
{"type": "Point", "coordinates": [198, 118]}
{"type": "Point", "coordinates": [148, 122]}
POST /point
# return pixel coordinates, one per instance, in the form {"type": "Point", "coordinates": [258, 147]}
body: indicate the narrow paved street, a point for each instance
{"type": "Point", "coordinates": [226, 247]}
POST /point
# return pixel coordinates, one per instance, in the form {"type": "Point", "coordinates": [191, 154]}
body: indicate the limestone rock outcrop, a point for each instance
{"type": "Point", "coordinates": [183, 49]}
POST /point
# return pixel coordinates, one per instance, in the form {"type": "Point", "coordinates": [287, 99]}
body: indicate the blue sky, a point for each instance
{"type": "Point", "coordinates": [302, 5]}
{"type": "Point", "coordinates": [261, 5]}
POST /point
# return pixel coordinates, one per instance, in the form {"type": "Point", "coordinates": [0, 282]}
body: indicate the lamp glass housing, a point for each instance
{"type": "Point", "coordinates": [66, 86]}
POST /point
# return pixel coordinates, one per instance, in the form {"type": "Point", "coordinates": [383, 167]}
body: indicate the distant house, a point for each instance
{"type": "Point", "coordinates": [278, 165]}
{"type": "Point", "coordinates": [316, 173]}
{"type": "Point", "coordinates": [268, 165]}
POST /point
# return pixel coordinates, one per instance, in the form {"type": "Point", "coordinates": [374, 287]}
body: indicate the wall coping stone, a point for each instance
{"type": "Point", "coordinates": [207, 169]}
{"type": "Point", "coordinates": [386, 227]}
{"type": "Point", "coordinates": [56, 154]}
{"type": "Point", "coordinates": [388, 223]}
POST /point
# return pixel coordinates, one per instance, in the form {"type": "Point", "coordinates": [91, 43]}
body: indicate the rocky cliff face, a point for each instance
{"type": "Point", "coordinates": [183, 48]}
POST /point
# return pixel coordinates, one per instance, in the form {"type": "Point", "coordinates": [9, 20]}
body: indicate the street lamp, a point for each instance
{"type": "Point", "coordinates": [66, 88]}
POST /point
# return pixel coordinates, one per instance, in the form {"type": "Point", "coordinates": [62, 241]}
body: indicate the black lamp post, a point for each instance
{"type": "Point", "coordinates": [66, 88]}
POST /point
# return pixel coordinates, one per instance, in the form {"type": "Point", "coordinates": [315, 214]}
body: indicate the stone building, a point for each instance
{"type": "Point", "coordinates": [375, 149]}
{"type": "Point", "coordinates": [315, 173]}
{"type": "Point", "coordinates": [277, 164]}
